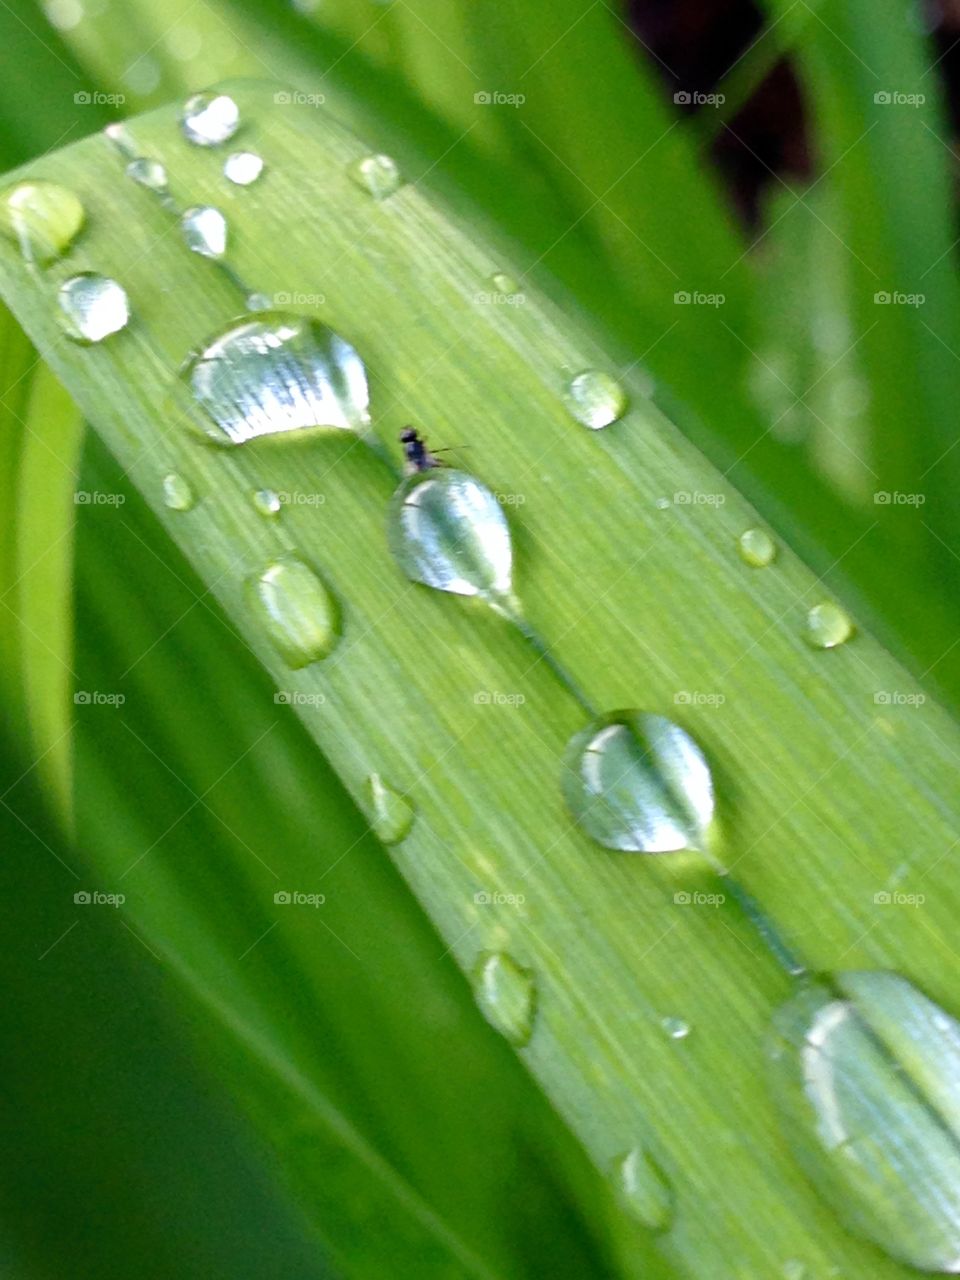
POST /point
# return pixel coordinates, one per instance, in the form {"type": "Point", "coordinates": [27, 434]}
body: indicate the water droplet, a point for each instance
{"type": "Point", "coordinates": [507, 996]}
{"type": "Point", "coordinates": [504, 283]}
{"type": "Point", "coordinates": [148, 173]}
{"type": "Point", "coordinates": [828, 625]}
{"type": "Point", "coordinates": [794, 1269]}
{"type": "Point", "coordinates": [274, 373]}
{"type": "Point", "coordinates": [377, 175]}
{"type": "Point", "coordinates": [267, 502]}
{"type": "Point", "coordinates": [663, 504]}
{"type": "Point", "coordinates": [638, 782]}
{"type": "Point", "coordinates": [92, 307]}
{"type": "Point", "coordinates": [259, 302]}
{"type": "Point", "coordinates": [207, 119]}
{"type": "Point", "coordinates": [205, 230]}
{"type": "Point", "coordinates": [243, 167]}
{"type": "Point", "coordinates": [676, 1028]}
{"type": "Point", "coordinates": [757, 548]}
{"type": "Point", "coordinates": [43, 218]}
{"type": "Point", "coordinates": [447, 530]}
{"type": "Point", "coordinates": [644, 1189]}
{"type": "Point", "coordinates": [177, 494]}
{"type": "Point", "coordinates": [866, 1077]}
{"type": "Point", "coordinates": [393, 813]}
{"type": "Point", "coordinates": [596, 399]}
{"type": "Point", "coordinates": [300, 614]}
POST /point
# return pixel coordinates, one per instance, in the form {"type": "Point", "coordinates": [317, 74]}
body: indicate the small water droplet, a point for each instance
{"type": "Point", "coordinates": [596, 399]}
{"type": "Point", "coordinates": [638, 782]}
{"type": "Point", "coordinates": [177, 494]}
{"type": "Point", "coordinates": [393, 813]}
{"type": "Point", "coordinates": [377, 175]}
{"type": "Point", "coordinates": [794, 1269]}
{"type": "Point", "coordinates": [644, 1189]}
{"type": "Point", "coordinates": [148, 173]}
{"type": "Point", "coordinates": [507, 996]}
{"type": "Point", "coordinates": [243, 167]}
{"type": "Point", "coordinates": [828, 625]}
{"type": "Point", "coordinates": [447, 530]}
{"type": "Point", "coordinates": [663, 504]}
{"type": "Point", "coordinates": [757, 548]}
{"type": "Point", "coordinates": [204, 230]}
{"type": "Point", "coordinates": [208, 119]}
{"type": "Point", "coordinates": [43, 218]}
{"type": "Point", "coordinates": [504, 283]}
{"type": "Point", "coordinates": [267, 502]}
{"type": "Point", "coordinates": [92, 307]}
{"type": "Point", "coordinates": [676, 1028]}
{"type": "Point", "coordinates": [865, 1073]}
{"type": "Point", "coordinates": [259, 302]}
{"type": "Point", "coordinates": [275, 373]}
{"type": "Point", "coordinates": [299, 612]}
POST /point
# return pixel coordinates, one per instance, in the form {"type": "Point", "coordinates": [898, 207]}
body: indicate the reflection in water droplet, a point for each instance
{"type": "Point", "coordinates": [638, 782]}
{"type": "Point", "coordinates": [43, 218]}
{"type": "Point", "coordinates": [506, 994]}
{"type": "Point", "coordinates": [377, 175]}
{"type": "Point", "coordinates": [866, 1078]}
{"type": "Point", "coordinates": [828, 625]}
{"type": "Point", "coordinates": [92, 307]}
{"type": "Point", "coordinates": [148, 173]}
{"type": "Point", "coordinates": [267, 502]}
{"type": "Point", "coordinates": [757, 548]}
{"type": "Point", "coordinates": [177, 494]}
{"type": "Point", "coordinates": [204, 230]}
{"type": "Point", "coordinates": [276, 373]}
{"type": "Point", "coordinates": [298, 611]}
{"type": "Point", "coordinates": [676, 1028]}
{"type": "Point", "coordinates": [207, 119]}
{"type": "Point", "coordinates": [392, 813]}
{"type": "Point", "coordinates": [596, 399]}
{"type": "Point", "coordinates": [447, 530]}
{"type": "Point", "coordinates": [242, 168]}
{"type": "Point", "coordinates": [644, 1189]}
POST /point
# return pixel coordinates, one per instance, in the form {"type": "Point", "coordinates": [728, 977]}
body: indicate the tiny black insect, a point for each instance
{"type": "Point", "coordinates": [416, 454]}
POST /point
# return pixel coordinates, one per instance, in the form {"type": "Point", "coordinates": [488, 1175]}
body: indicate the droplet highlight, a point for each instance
{"type": "Point", "coordinates": [148, 173]}
{"type": "Point", "coordinates": [43, 218]}
{"type": "Point", "coordinates": [242, 168]}
{"type": "Point", "coordinates": [637, 782]}
{"type": "Point", "coordinates": [865, 1073]}
{"type": "Point", "coordinates": [204, 230]}
{"type": "Point", "coordinates": [177, 493]}
{"type": "Point", "coordinates": [828, 625]}
{"type": "Point", "coordinates": [596, 399]}
{"type": "Point", "coordinates": [757, 548]}
{"type": "Point", "coordinates": [92, 307]}
{"type": "Point", "coordinates": [209, 119]}
{"type": "Point", "coordinates": [298, 612]}
{"type": "Point", "coordinates": [267, 502]}
{"type": "Point", "coordinates": [393, 813]}
{"type": "Point", "coordinates": [276, 373]}
{"type": "Point", "coordinates": [676, 1028]}
{"type": "Point", "coordinates": [378, 175]}
{"type": "Point", "coordinates": [643, 1189]}
{"type": "Point", "coordinates": [506, 994]}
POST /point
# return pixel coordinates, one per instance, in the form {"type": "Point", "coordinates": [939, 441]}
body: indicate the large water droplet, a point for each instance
{"type": "Point", "coordinates": [596, 399]}
{"type": "Point", "coordinates": [447, 530]}
{"type": "Point", "coordinates": [643, 1189]}
{"type": "Point", "coordinates": [42, 217]}
{"type": "Point", "coordinates": [507, 995]}
{"type": "Point", "coordinates": [267, 502]}
{"type": "Point", "coordinates": [204, 230]}
{"type": "Point", "coordinates": [638, 782]}
{"type": "Point", "coordinates": [148, 173]}
{"type": "Point", "coordinates": [177, 494]}
{"type": "Point", "coordinates": [393, 813]}
{"type": "Point", "coordinates": [377, 175]}
{"type": "Point", "coordinates": [275, 372]}
{"type": "Point", "coordinates": [207, 119]}
{"type": "Point", "coordinates": [92, 307]}
{"type": "Point", "coordinates": [242, 168]}
{"type": "Point", "coordinates": [867, 1081]}
{"type": "Point", "coordinates": [828, 625]}
{"type": "Point", "coordinates": [299, 613]}
{"type": "Point", "coordinates": [757, 548]}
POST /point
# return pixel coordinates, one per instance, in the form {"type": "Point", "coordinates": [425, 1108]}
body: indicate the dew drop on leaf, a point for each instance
{"type": "Point", "coordinates": [378, 175]}
{"type": "Point", "coordinates": [643, 1189]}
{"type": "Point", "coordinates": [204, 230]}
{"type": "Point", "coordinates": [393, 813]}
{"type": "Point", "coordinates": [596, 399]}
{"type": "Point", "coordinates": [828, 625]}
{"type": "Point", "coordinates": [504, 283]}
{"type": "Point", "coordinates": [43, 218]}
{"type": "Point", "coordinates": [276, 373]}
{"type": "Point", "coordinates": [267, 502]}
{"type": "Point", "coordinates": [92, 307]}
{"type": "Point", "coordinates": [757, 548]}
{"type": "Point", "coordinates": [148, 173]}
{"type": "Point", "coordinates": [208, 119]}
{"type": "Point", "coordinates": [177, 493]}
{"type": "Point", "coordinates": [242, 168]}
{"type": "Point", "coordinates": [638, 782]}
{"type": "Point", "coordinates": [506, 994]}
{"type": "Point", "coordinates": [676, 1028]}
{"type": "Point", "coordinates": [298, 613]}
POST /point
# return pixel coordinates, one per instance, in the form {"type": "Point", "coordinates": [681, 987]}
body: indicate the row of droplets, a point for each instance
{"type": "Point", "coordinates": [864, 1067]}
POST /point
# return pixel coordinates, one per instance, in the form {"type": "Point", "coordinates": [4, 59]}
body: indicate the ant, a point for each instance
{"type": "Point", "coordinates": [416, 454]}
